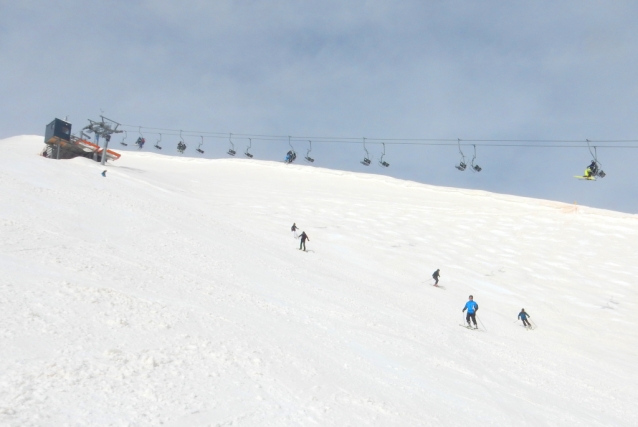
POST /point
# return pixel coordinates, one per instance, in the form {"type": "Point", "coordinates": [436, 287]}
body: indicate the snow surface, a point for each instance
{"type": "Point", "coordinates": [172, 293]}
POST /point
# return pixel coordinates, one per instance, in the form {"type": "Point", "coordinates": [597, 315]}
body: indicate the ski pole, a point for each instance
{"type": "Point", "coordinates": [481, 323]}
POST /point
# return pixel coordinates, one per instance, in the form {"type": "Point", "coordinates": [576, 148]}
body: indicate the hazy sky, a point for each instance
{"type": "Point", "coordinates": [409, 69]}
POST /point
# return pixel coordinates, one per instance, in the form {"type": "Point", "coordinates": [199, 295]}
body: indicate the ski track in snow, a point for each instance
{"type": "Point", "coordinates": [172, 293]}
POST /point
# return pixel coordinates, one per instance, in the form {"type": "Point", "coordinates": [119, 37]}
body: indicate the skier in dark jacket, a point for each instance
{"type": "Point", "coordinates": [294, 229]}
{"type": "Point", "coordinates": [435, 276]}
{"type": "Point", "coordinates": [472, 307]}
{"type": "Point", "coordinates": [523, 316]}
{"type": "Point", "coordinates": [303, 238]}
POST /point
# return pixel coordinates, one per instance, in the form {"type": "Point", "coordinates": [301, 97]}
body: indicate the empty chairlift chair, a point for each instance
{"type": "Point", "coordinates": [199, 149]}
{"type": "Point", "coordinates": [124, 139]}
{"type": "Point", "coordinates": [308, 158]}
{"type": "Point", "coordinates": [381, 161]}
{"type": "Point", "coordinates": [157, 144]}
{"type": "Point", "coordinates": [247, 152]}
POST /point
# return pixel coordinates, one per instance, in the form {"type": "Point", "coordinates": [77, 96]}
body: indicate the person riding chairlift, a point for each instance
{"type": "Point", "coordinates": [592, 170]}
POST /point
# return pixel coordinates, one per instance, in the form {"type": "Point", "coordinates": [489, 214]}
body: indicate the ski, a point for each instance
{"type": "Point", "coordinates": [469, 327]}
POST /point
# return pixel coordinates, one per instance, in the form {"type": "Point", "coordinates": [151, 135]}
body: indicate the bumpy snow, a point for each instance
{"type": "Point", "coordinates": [171, 292]}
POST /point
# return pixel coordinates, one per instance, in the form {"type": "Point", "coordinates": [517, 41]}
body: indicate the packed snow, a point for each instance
{"type": "Point", "coordinates": [172, 292]}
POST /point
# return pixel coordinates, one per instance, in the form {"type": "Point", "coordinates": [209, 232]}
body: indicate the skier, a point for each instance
{"type": "Point", "coordinates": [303, 238]}
{"type": "Point", "coordinates": [523, 316]}
{"type": "Point", "coordinates": [140, 141]}
{"type": "Point", "coordinates": [592, 170]}
{"type": "Point", "coordinates": [294, 229]}
{"type": "Point", "coordinates": [435, 276]}
{"type": "Point", "coordinates": [472, 307]}
{"type": "Point", "coordinates": [104, 173]}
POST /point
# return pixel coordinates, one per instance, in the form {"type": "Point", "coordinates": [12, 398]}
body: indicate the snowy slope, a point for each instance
{"type": "Point", "coordinates": [171, 293]}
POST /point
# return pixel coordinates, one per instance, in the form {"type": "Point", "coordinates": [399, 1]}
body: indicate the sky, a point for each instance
{"type": "Point", "coordinates": [425, 70]}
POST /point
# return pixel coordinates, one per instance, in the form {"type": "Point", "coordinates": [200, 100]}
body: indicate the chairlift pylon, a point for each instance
{"type": "Point", "coordinates": [366, 159]}
{"type": "Point", "coordinates": [476, 168]}
{"type": "Point", "coordinates": [291, 155]}
{"type": "Point", "coordinates": [381, 161]}
{"type": "Point", "coordinates": [181, 145]}
{"type": "Point", "coordinates": [124, 139]}
{"type": "Point", "coordinates": [247, 152]}
{"type": "Point", "coordinates": [308, 158]}
{"type": "Point", "coordinates": [199, 149]}
{"type": "Point", "coordinates": [157, 144]}
{"type": "Point", "coordinates": [461, 166]}
{"type": "Point", "coordinates": [231, 150]}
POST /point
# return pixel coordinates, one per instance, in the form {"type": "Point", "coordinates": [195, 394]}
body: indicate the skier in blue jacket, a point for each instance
{"type": "Point", "coordinates": [472, 307]}
{"type": "Point", "coordinates": [523, 316]}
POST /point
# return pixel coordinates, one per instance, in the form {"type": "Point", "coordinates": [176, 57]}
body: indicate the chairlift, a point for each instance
{"type": "Point", "coordinates": [308, 158]}
{"type": "Point", "coordinates": [476, 168]}
{"type": "Point", "coordinates": [366, 159]}
{"type": "Point", "coordinates": [231, 150]}
{"type": "Point", "coordinates": [140, 140]}
{"type": "Point", "coordinates": [291, 155]}
{"type": "Point", "coordinates": [461, 166]}
{"type": "Point", "coordinates": [124, 139]}
{"type": "Point", "coordinates": [157, 144]}
{"type": "Point", "coordinates": [381, 161]}
{"type": "Point", "coordinates": [199, 149]}
{"type": "Point", "coordinates": [181, 145]}
{"type": "Point", "coordinates": [594, 169]}
{"type": "Point", "coordinates": [247, 152]}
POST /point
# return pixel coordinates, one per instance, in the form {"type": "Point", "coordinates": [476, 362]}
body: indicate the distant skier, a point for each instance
{"type": "Point", "coordinates": [140, 141]}
{"type": "Point", "coordinates": [523, 316]}
{"type": "Point", "coordinates": [472, 307]}
{"type": "Point", "coordinates": [303, 238]}
{"type": "Point", "coordinates": [104, 173]}
{"type": "Point", "coordinates": [435, 276]}
{"type": "Point", "coordinates": [294, 229]}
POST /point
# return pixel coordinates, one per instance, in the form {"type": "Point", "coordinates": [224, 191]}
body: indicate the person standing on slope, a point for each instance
{"type": "Point", "coordinates": [294, 229]}
{"type": "Point", "coordinates": [472, 307]}
{"type": "Point", "coordinates": [523, 316]}
{"type": "Point", "coordinates": [435, 276]}
{"type": "Point", "coordinates": [303, 238]}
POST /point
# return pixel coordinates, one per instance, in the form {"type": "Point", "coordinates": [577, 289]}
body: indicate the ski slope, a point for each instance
{"type": "Point", "coordinates": [172, 293]}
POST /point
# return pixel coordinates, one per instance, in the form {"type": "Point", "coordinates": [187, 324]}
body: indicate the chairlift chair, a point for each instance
{"type": "Point", "coordinates": [181, 145]}
{"type": "Point", "coordinates": [291, 155]}
{"type": "Point", "coordinates": [476, 168]}
{"type": "Point", "coordinates": [157, 144]}
{"type": "Point", "coordinates": [247, 152]}
{"type": "Point", "coordinates": [461, 166]}
{"type": "Point", "coordinates": [308, 158]}
{"type": "Point", "coordinates": [381, 161]}
{"type": "Point", "coordinates": [597, 170]}
{"type": "Point", "coordinates": [199, 149]}
{"type": "Point", "coordinates": [231, 150]}
{"type": "Point", "coordinates": [141, 140]}
{"type": "Point", "coordinates": [366, 159]}
{"type": "Point", "coordinates": [124, 139]}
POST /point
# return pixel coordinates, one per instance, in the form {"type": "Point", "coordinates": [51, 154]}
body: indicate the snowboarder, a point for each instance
{"type": "Point", "coordinates": [523, 316]}
{"type": "Point", "coordinates": [294, 229]}
{"type": "Point", "coordinates": [435, 276]}
{"type": "Point", "coordinates": [472, 307]}
{"type": "Point", "coordinates": [303, 238]}
{"type": "Point", "coordinates": [104, 173]}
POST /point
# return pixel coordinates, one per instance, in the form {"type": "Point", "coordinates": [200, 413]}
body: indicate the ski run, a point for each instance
{"type": "Point", "coordinates": [170, 292]}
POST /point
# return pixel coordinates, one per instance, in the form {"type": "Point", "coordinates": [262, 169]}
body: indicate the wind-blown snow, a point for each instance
{"type": "Point", "coordinates": [172, 293]}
